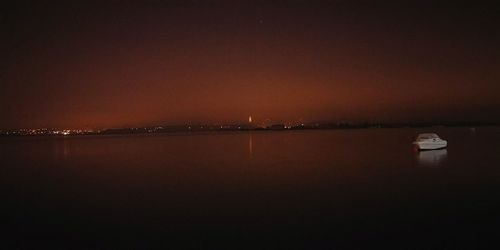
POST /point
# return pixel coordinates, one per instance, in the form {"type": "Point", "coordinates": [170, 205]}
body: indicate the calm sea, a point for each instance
{"type": "Point", "coordinates": [299, 189]}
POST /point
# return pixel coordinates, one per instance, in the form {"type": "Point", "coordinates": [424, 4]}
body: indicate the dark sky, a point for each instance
{"type": "Point", "coordinates": [132, 63]}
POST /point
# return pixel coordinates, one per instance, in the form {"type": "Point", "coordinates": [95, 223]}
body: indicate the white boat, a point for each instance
{"type": "Point", "coordinates": [429, 141]}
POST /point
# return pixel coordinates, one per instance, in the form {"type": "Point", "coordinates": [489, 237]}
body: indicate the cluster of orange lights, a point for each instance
{"type": "Point", "coordinates": [46, 131]}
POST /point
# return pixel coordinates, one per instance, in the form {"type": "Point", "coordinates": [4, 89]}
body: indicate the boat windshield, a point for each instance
{"type": "Point", "coordinates": [427, 136]}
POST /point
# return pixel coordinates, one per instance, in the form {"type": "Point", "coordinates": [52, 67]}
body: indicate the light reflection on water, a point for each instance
{"type": "Point", "coordinates": [250, 146]}
{"type": "Point", "coordinates": [432, 158]}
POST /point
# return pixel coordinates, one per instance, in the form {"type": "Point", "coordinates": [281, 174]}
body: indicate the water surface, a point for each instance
{"type": "Point", "coordinates": [321, 188]}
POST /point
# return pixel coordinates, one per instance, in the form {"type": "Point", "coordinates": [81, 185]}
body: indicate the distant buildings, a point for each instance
{"type": "Point", "coordinates": [247, 126]}
{"type": "Point", "coordinates": [277, 127]}
{"type": "Point", "coordinates": [45, 132]}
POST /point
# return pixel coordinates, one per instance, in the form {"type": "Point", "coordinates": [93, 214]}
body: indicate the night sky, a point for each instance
{"type": "Point", "coordinates": [138, 63]}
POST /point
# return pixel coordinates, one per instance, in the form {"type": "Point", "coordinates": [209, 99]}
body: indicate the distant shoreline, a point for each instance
{"type": "Point", "coordinates": [231, 128]}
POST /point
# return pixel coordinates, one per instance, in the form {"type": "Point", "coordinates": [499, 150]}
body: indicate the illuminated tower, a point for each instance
{"type": "Point", "coordinates": [250, 119]}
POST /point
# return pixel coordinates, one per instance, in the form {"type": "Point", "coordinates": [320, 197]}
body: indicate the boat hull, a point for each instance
{"type": "Point", "coordinates": [431, 145]}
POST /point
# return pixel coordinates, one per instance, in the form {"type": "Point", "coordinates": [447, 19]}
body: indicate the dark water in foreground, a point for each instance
{"type": "Point", "coordinates": [310, 189]}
